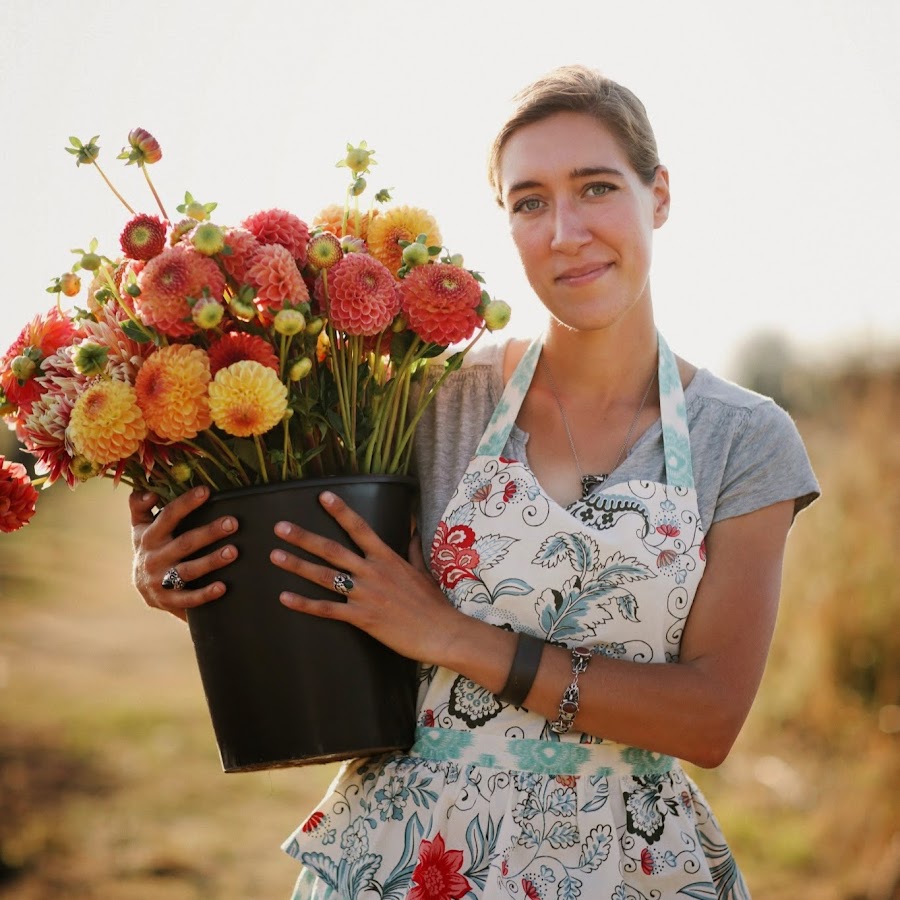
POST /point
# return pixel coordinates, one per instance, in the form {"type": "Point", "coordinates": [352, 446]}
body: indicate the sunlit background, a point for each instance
{"type": "Point", "coordinates": [778, 122]}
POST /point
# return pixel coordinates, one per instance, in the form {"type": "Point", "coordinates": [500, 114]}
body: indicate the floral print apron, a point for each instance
{"type": "Point", "coordinates": [489, 802]}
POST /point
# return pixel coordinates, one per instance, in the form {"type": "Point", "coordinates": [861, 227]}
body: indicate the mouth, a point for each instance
{"type": "Point", "coordinates": [583, 274]}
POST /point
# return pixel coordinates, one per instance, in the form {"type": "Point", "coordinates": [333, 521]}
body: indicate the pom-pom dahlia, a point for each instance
{"type": "Point", "coordinates": [143, 237]}
{"type": "Point", "coordinates": [247, 399]}
{"type": "Point", "coordinates": [166, 283]}
{"type": "Point", "coordinates": [440, 301]}
{"type": "Point", "coordinates": [106, 424]}
{"type": "Point", "coordinates": [276, 226]}
{"type": "Point", "coordinates": [277, 280]}
{"type": "Point", "coordinates": [172, 392]}
{"type": "Point", "coordinates": [17, 496]}
{"type": "Point", "coordinates": [362, 295]}
{"type": "Point", "coordinates": [238, 345]}
{"type": "Point", "coordinates": [242, 247]}
{"type": "Point", "coordinates": [401, 223]}
{"type": "Point", "coordinates": [331, 219]}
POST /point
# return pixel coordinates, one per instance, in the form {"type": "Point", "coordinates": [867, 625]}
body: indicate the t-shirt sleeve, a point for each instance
{"type": "Point", "coordinates": [767, 464]}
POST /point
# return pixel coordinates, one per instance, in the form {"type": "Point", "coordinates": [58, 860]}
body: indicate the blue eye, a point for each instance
{"type": "Point", "coordinates": [598, 189]}
{"type": "Point", "coordinates": [527, 204]}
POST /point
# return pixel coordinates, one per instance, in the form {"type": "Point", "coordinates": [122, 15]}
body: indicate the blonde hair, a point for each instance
{"type": "Point", "coordinates": [583, 90]}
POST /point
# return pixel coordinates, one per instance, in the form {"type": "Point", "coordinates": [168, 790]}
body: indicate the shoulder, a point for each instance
{"type": "Point", "coordinates": [747, 445]}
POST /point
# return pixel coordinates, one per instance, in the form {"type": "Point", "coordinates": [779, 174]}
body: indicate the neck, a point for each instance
{"type": "Point", "coordinates": [606, 364]}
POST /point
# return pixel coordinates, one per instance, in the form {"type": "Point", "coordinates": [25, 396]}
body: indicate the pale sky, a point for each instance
{"type": "Point", "coordinates": [779, 121]}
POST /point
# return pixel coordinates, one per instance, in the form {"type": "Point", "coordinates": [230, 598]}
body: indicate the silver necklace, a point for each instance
{"type": "Point", "coordinates": [588, 482]}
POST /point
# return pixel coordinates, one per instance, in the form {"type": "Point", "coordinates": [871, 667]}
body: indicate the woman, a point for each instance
{"type": "Point", "coordinates": [581, 496]}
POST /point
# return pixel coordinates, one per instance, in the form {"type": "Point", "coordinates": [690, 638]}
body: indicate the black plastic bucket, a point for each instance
{"type": "Point", "coordinates": [284, 688]}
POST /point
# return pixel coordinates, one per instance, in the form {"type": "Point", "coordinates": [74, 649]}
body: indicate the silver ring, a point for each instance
{"type": "Point", "coordinates": [342, 583]}
{"type": "Point", "coordinates": [172, 581]}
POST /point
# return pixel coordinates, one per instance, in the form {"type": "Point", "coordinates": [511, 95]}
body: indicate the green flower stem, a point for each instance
{"type": "Point", "coordinates": [385, 416]}
{"type": "Point", "coordinates": [224, 448]}
{"type": "Point", "coordinates": [262, 459]}
{"type": "Point", "coordinates": [109, 184]}
{"type": "Point", "coordinates": [155, 195]}
{"type": "Point", "coordinates": [111, 284]}
{"type": "Point", "coordinates": [401, 460]}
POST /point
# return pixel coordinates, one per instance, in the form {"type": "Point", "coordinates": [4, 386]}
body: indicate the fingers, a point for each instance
{"type": "Point", "coordinates": [141, 504]}
{"type": "Point", "coordinates": [353, 523]}
{"type": "Point", "coordinates": [334, 553]}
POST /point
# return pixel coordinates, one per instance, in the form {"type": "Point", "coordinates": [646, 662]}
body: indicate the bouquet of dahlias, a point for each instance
{"type": "Point", "coordinates": [235, 356]}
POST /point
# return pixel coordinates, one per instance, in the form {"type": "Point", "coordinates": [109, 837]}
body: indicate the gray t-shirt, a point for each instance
{"type": "Point", "coordinates": [747, 452]}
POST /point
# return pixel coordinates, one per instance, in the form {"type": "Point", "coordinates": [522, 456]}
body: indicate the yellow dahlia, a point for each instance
{"type": "Point", "coordinates": [401, 223]}
{"type": "Point", "coordinates": [247, 398]}
{"type": "Point", "coordinates": [106, 424]}
{"type": "Point", "coordinates": [172, 392]}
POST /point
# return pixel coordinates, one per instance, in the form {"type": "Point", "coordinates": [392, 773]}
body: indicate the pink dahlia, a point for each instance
{"type": "Point", "coordinates": [238, 345]}
{"type": "Point", "coordinates": [276, 226]}
{"type": "Point", "coordinates": [440, 302]}
{"type": "Point", "coordinates": [243, 247]}
{"type": "Point", "coordinates": [277, 280]}
{"type": "Point", "coordinates": [43, 336]}
{"type": "Point", "coordinates": [362, 295]}
{"type": "Point", "coordinates": [143, 237]}
{"type": "Point", "coordinates": [172, 392]}
{"type": "Point", "coordinates": [166, 283]}
{"type": "Point", "coordinates": [17, 496]}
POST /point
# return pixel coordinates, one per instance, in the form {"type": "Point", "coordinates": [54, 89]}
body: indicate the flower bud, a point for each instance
{"type": "Point", "coordinates": [399, 324]}
{"type": "Point", "coordinates": [242, 306]}
{"type": "Point", "coordinates": [23, 367]}
{"type": "Point", "coordinates": [289, 322]}
{"type": "Point", "coordinates": [314, 326]}
{"type": "Point", "coordinates": [83, 469]}
{"type": "Point", "coordinates": [457, 260]}
{"type": "Point", "coordinates": [324, 250]}
{"type": "Point", "coordinates": [70, 284]}
{"type": "Point", "coordinates": [207, 313]}
{"type": "Point", "coordinates": [144, 150]}
{"type": "Point", "coordinates": [358, 159]}
{"type": "Point", "coordinates": [301, 369]}
{"type": "Point", "coordinates": [181, 473]}
{"type": "Point", "coordinates": [208, 239]}
{"type": "Point", "coordinates": [358, 186]}
{"type": "Point", "coordinates": [496, 315]}
{"type": "Point", "coordinates": [90, 358]}
{"type": "Point", "coordinates": [91, 261]}
{"type": "Point", "coordinates": [415, 254]}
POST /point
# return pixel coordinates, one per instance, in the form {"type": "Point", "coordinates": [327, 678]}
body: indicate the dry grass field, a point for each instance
{"type": "Point", "coordinates": [110, 785]}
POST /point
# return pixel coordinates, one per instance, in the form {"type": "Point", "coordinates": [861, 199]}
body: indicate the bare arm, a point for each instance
{"type": "Point", "coordinates": [692, 709]}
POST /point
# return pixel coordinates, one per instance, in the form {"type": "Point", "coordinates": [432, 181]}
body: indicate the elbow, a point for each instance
{"type": "Point", "coordinates": [713, 740]}
{"type": "Point", "coordinates": [709, 754]}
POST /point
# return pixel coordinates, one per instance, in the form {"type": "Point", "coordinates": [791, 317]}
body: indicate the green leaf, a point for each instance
{"type": "Point", "coordinates": [136, 332]}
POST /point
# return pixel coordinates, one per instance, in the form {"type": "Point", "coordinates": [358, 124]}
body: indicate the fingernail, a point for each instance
{"type": "Point", "coordinates": [200, 492]}
{"type": "Point", "coordinates": [228, 524]}
{"type": "Point", "coordinates": [283, 529]}
{"type": "Point", "coordinates": [148, 497]}
{"type": "Point", "coordinates": [278, 556]}
{"type": "Point", "coordinates": [327, 498]}
{"type": "Point", "coordinates": [228, 553]}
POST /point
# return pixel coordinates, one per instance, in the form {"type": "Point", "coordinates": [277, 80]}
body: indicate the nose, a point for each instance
{"type": "Point", "coordinates": [570, 232]}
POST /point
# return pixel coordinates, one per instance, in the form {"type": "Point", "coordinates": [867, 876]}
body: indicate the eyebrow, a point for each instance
{"type": "Point", "coordinates": [586, 172]}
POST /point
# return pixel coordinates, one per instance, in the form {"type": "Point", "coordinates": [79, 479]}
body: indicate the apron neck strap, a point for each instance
{"type": "Point", "coordinates": [673, 414]}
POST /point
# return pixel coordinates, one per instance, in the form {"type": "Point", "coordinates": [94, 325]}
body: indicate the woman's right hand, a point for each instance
{"type": "Point", "coordinates": [157, 549]}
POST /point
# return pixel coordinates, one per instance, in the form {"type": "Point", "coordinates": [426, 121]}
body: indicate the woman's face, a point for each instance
{"type": "Point", "coordinates": [581, 218]}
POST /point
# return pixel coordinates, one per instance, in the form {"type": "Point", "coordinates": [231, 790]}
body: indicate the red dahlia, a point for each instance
{"type": "Point", "coordinates": [143, 237]}
{"type": "Point", "coordinates": [440, 302]}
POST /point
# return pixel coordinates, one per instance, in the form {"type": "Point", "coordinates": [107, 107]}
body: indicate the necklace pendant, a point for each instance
{"type": "Point", "coordinates": [589, 482]}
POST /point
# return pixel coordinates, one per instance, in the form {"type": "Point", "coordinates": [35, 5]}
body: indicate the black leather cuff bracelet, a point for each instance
{"type": "Point", "coordinates": [523, 670]}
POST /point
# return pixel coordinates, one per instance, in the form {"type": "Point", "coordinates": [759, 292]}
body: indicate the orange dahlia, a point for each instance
{"type": "Point", "coordinates": [242, 246]}
{"type": "Point", "coordinates": [362, 295]}
{"type": "Point", "coordinates": [17, 496]}
{"type": "Point", "coordinates": [276, 226]}
{"type": "Point", "coordinates": [331, 218]}
{"type": "Point", "coordinates": [277, 280]}
{"type": "Point", "coordinates": [247, 398]}
{"type": "Point", "coordinates": [238, 345]}
{"type": "Point", "coordinates": [106, 424]}
{"type": "Point", "coordinates": [166, 283]}
{"type": "Point", "coordinates": [401, 223]}
{"type": "Point", "coordinates": [41, 337]}
{"type": "Point", "coordinates": [171, 392]}
{"type": "Point", "coordinates": [440, 302]}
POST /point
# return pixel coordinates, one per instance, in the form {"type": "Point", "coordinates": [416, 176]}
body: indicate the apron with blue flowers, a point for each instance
{"type": "Point", "coordinates": [489, 802]}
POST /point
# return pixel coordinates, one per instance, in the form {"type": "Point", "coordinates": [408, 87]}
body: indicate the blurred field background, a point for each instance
{"type": "Point", "coordinates": [110, 785]}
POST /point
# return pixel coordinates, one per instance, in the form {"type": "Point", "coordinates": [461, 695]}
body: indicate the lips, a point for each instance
{"type": "Point", "coordinates": [582, 274]}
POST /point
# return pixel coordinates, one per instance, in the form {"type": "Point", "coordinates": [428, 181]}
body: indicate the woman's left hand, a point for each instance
{"type": "Point", "coordinates": [396, 602]}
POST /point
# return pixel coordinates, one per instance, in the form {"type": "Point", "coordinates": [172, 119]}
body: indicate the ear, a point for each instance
{"type": "Point", "coordinates": [661, 196]}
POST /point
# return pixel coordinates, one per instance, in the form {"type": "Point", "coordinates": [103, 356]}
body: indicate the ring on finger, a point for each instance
{"type": "Point", "coordinates": [342, 583]}
{"type": "Point", "coordinates": [172, 581]}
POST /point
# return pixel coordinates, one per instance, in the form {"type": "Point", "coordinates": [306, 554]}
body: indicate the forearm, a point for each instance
{"type": "Point", "coordinates": [680, 709]}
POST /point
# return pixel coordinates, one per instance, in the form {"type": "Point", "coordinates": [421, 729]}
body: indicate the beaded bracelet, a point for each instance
{"type": "Point", "coordinates": [568, 706]}
{"type": "Point", "coordinates": [523, 669]}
